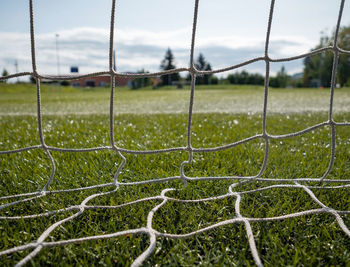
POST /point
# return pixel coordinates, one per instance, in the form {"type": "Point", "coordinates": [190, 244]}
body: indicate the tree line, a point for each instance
{"type": "Point", "coordinates": [317, 70]}
{"type": "Point", "coordinates": [201, 64]}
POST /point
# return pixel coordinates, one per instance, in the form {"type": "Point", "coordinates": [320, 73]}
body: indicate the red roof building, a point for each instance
{"type": "Point", "coordinates": [101, 81]}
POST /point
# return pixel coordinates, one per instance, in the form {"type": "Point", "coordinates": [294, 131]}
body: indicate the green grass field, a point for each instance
{"type": "Point", "coordinates": [157, 119]}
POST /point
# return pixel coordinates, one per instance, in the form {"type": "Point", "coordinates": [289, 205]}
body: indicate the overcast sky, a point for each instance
{"type": "Point", "coordinates": [228, 32]}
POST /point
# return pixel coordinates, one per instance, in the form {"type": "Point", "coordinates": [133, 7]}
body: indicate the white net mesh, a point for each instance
{"type": "Point", "coordinates": [301, 183]}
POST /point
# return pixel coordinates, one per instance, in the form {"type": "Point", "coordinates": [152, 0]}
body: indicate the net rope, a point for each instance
{"type": "Point", "coordinates": [300, 183]}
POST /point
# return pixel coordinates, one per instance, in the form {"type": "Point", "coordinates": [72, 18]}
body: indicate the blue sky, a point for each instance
{"type": "Point", "coordinates": [228, 32]}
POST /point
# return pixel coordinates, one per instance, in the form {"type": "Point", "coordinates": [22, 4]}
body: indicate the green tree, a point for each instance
{"type": "Point", "coordinates": [318, 68]}
{"type": "Point", "coordinates": [281, 79]}
{"type": "Point", "coordinates": [202, 65]}
{"type": "Point", "coordinates": [343, 74]}
{"type": "Point", "coordinates": [141, 81]}
{"type": "Point", "coordinates": [4, 74]}
{"type": "Point", "coordinates": [65, 83]}
{"type": "Point", "coordinates": [168, 64]}
{"type": "Point", "coordinates": [213, 80]}
{"type": "Point", "coordinates": [32, 79]}
{"type": "Point", "coordinates": [256, 79]}
{"type": "Point", "coordinates": [245, 77]}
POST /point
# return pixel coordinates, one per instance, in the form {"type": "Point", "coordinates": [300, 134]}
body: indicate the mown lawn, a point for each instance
{"type": "Point", "coordinates": [83, 122]}
{"type": "Point", "coordinates": [21, 100]}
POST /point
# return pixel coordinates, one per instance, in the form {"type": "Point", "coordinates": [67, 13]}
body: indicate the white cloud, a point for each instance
{"type": "Point", "coordinates": [88, 48]}
{"type": "Point", "coordinates": [176, 39]}
{"type": "Point", "coordinates": [292, 45]}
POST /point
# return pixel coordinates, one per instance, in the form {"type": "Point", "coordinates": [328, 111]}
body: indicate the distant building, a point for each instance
{"type": "Point", "coordinates": [101, 81]}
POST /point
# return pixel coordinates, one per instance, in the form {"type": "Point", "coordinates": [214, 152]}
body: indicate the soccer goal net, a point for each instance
{"type": "Point", "coordinates": [235, 191]}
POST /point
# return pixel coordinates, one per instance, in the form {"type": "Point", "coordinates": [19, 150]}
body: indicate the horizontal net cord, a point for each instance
{"type": "Point", "coordinates": [175, 149]}
{"type": "Point", "coordinates": [194, 179]}
{"type": "Point", "coordinates": [15, 75]}
{"type": "Point", "coordinates": [39, 244]}
{"type": "Point", "coordinates": [161, 197]}
{"type": "Point", "coordinates": [72, 208]}
{"type": "Point", "coordinates": [193, 70]}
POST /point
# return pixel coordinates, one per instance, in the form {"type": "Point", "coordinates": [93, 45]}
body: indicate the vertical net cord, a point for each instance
{"type": "Point", "coordinates": [266, 90]}
{"type": "Point", "coordinates": [38, 96]}
{"type": "Point", "coordinates": [248, 228]}
{"type": "Point", "coordinates": [111, 110]}
{"type": "Point", "coordinates": [193, 85]}
{"type": "Point", "coordinates": [331, 122]}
